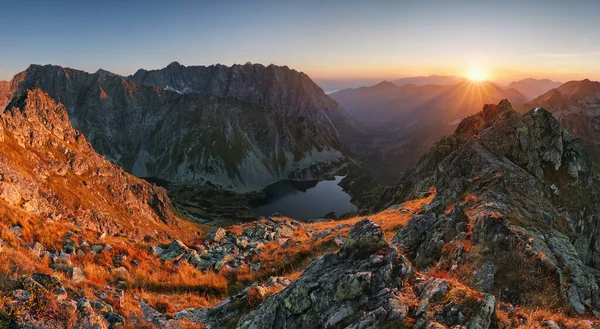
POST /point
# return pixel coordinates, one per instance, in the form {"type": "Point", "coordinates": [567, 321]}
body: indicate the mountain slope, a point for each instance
{"type": "Point", "coordinates": [46, 167]}
{"type": "Point", "coordinates": [441, 80]}
{"type": "Point", "coordinates": [533, 88]}
{"type": "Point", "coordinates": [289, 92]}
{"type": "Point", "coordinates": [516, 198]}
{"type": "Point", "coordinates": [576, 105]}
{"type": "Point", "coordinates": [189, 138]}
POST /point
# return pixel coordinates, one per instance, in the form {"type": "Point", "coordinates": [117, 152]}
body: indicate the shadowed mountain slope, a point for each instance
{"type": "Point", "coordinates": [190, 138]}
{"type": "Point", "coordinates": [407, 120]}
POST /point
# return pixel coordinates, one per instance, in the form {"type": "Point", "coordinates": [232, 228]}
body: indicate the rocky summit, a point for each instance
{"type": "Point", "coordinates": [515, 211]}
{"type": "Point", "coordinates": [288, 91]}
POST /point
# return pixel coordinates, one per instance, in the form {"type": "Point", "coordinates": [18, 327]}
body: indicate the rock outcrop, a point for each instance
{"type": "Point", "coordinates": [575, 105]}
{"type": "Point", "coordinates": [368, 284]}
{"type": "Point", "coordinates": [516, 204]}
{"type": "Point", "coordinates": [221, 249]}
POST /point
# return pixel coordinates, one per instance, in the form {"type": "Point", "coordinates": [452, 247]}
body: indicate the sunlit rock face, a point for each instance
{"type": "Point", "coordinates": [514, 190]}
{"type": "Point", "coordinates": [236, 142]}
{"type": "Point", "coordinates": [47, 167]}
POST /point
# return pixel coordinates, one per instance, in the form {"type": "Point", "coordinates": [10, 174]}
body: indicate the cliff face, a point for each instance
{"type": "Point", "coordinates": [189, 138]}
{"type": "Point", "coordinates": [48, 167]}
{"type": "Point", "coordinates": [4, 93]}
{"type": "Point", "coordinates": [289, 92]}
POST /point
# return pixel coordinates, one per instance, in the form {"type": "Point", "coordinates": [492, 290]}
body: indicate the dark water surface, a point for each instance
{"type": "Point", "coordinates": [305, 200]}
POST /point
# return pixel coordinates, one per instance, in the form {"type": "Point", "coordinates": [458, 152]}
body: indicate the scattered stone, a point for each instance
{"type": "Point", "coordinates": [175, 251]}
{"type": "Point", "coordinates": [216, 235]}
{"type": "Point", "coordinates": [321, 234]}
{"type": "Point", "coordinates": [120, 273]}
{"type": "Point", "coordinates": [37, 249]}
{"type": "Point", "coordinates": [76, 274]}
{"type": "Point", "coordinates": [339, 240]}
{"type": "Point", "coordinates": [17, 230]}
{"type": "Point", "coordinates": [255, 266]}
{"type": "Point", "coordinates": [550, 324]}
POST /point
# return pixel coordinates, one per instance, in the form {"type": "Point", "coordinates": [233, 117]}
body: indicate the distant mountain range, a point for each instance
{"type": "Point", "coordinates": [443, 80]}
{"type": "Point", "coordinates": [532, 88]}
{"type": "Point", "coordinates": [333, 85]}
{"type": "Point", "coordinates": [409, 119]}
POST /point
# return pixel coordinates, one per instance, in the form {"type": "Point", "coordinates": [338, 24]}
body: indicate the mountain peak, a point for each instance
{"type": "Point", "coordinates": [385, 84]}
{"type": "Point", "coordinates": [174, 64]}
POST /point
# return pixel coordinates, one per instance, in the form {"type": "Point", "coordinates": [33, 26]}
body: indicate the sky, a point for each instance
{"type": "Point", "coordinates": [326, 39]}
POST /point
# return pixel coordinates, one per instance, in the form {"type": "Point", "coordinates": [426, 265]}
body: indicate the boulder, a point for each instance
{"type": "Point", "coordinates": [76, 274]}
{"type": "Point", "coordinates": [216, 235]}
{"type": "Point", "coordinates": [175, 251]}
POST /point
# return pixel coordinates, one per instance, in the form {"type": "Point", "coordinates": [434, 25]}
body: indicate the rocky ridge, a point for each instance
{"type": "Point", "coordinates": [289, 92]}
{"type": "Point", "coordinates": [516, 191]}
{"type": "Point", "coordinates": [369, 284]}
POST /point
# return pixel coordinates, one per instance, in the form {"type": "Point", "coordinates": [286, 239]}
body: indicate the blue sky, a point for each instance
{"type": "Point", "coordinates": [326, 39]}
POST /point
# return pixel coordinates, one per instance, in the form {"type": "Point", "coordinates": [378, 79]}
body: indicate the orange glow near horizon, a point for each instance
{"type": "Point", "coordinates": [476, 75]}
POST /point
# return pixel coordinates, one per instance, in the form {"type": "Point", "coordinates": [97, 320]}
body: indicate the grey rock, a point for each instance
{"type": "Point", "coordinates": [175, 251]}
{"type": "Point", "coordinates": [216, 235]}
{"type": "Point", "coordinates": [483, 278]}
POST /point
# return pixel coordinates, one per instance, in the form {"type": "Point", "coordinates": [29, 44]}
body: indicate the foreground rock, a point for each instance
{"type": "Point", "coordinates": [226, 313]}
{"type": "Point", "coordinates": [365, 285]}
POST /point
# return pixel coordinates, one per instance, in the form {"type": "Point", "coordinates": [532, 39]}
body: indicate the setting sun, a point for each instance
{"type": "Point", "coordinates": [476, 75]}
